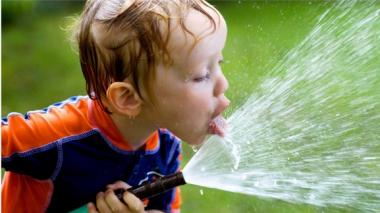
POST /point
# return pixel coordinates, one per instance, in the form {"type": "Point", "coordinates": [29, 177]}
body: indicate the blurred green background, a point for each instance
{"type": "Point", "coordinates": [40, 67]}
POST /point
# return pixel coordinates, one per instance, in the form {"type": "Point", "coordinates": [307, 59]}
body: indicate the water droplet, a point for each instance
{"type": "Point", "coordinates": [369, 158]}
{"type": "Point", "coordinates": [312, 196]}
{"type": "Point", "coordinates": [236, 166]}
{"type": "Point", "coordinates": [244, 177]}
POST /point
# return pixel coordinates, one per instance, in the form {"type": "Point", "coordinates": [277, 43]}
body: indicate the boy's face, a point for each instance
{"type": "Point", "coordinates": [190, 92]}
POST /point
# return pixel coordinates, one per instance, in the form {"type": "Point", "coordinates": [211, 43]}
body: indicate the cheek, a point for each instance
{"type": "Point", "coordinates": [195, 106]}
{"type": "Point", "coordinates": [183, 100]}
{"type": "Point", "coordinates": [186, 104]}
{"type": "Point", "coordinates": [198, 100]}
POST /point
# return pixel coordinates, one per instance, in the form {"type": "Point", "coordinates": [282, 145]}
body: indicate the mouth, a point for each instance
{"type": "Point", "coordinates": [218, 126]}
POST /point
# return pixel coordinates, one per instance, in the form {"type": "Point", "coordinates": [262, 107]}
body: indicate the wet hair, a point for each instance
{"type": "Point", "coordinates": [120, 39]}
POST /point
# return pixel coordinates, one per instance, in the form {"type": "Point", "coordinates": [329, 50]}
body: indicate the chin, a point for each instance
{"type": "Point", "coordinates": [196, 141]}
{"type": "Point", "coordinates": [193, 138]}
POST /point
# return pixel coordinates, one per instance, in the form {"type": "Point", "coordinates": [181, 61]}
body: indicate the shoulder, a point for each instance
{"type": "Point", "coordinates": [63, 110]}
{"type": "Point", "coordinates": [170, 145]}
{"type": "Point", "coordinates": [41, 127]}
{"type": "Point", "coordinates": [167, 136]}
{"type": "Point", "coordinates": [168, 140]}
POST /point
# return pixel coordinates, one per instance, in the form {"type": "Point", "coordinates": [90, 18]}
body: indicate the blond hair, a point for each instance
{"type": "Point", "coordinates": [119, 39]}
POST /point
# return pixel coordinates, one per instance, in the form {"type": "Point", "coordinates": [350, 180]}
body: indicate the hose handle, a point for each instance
{"type": "Point", "coordinates": [154, 188]}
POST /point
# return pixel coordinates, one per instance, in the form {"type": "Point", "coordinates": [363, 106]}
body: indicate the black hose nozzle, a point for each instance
{"type": "Point", "coordinates": [159, 186]}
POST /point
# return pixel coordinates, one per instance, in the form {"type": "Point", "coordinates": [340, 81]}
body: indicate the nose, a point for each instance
{"type": "Point", "coordinates": [220, 88]}
{"type": "Point", "coordinates": [224, 102]}
{"type": "Point", "coordinates": [221, 85]}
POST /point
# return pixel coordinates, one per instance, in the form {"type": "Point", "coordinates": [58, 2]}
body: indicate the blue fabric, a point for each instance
{"type": "Point", "coordinates": [81, 166]}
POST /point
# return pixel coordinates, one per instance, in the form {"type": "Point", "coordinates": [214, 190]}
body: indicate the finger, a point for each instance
{"type": "Point", "coordinates": [118, 185]}
{"type": "Point", "coordinates": [101, 203]}
{"type": "Point", "coordinates": [91, 208]}
{"type": "Point", "coordinates": [134, 204]}
{"type": "Point", "coordinates": [114, 203]}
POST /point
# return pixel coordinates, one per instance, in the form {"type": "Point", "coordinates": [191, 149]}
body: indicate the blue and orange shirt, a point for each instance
{"type": "Point", "coordinates": [57, 159]}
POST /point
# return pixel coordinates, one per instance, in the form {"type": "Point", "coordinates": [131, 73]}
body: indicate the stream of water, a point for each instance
{"type": "Point", "coordinates": [311, 132]}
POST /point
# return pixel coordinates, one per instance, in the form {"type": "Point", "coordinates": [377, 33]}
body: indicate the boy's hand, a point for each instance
{"type": "Point", "coordinates": [107, 201]}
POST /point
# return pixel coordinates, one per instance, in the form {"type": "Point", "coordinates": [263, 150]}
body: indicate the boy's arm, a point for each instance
{"type": "Point", "coordinates": [24, 148]}
{"type": "Point", "coordinates": [32, 143]}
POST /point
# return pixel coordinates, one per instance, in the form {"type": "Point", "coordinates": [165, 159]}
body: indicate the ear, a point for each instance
{"type": "Point", "coordinates": [124, 99]}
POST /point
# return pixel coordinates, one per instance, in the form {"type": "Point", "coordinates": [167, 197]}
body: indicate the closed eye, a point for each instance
{"type": "Point", "coordinates": [202, 78]}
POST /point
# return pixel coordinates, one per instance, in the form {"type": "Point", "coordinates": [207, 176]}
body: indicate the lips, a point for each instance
{"type": "Point", "coordinates": [218, 126]}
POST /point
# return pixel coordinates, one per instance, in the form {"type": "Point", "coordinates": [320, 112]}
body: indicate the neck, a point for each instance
{"type": "Point", "coordinates": [134, 130]}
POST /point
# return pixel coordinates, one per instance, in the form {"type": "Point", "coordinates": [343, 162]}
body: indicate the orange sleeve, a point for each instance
{"type": "Point", "coordinates": [26, 139]}
{"type": "Point", "coordinates": [15, 186]}
{"type": "Point", "coordinates": [20, 134]}
{"type": "Point", "coordinates": [177, 202]}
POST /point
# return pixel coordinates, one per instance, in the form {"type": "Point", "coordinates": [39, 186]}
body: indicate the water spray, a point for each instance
{"type": "Point", "coordinates": [159, 186]}
{"type": "Point", "coordinates": [309, 133]}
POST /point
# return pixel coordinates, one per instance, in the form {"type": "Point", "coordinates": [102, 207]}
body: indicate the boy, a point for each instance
{"type": "Point", "coordinates": [148, 65]}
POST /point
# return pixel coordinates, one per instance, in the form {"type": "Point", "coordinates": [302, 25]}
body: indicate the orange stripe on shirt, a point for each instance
{"type": "Point", "coordinates": [177, 202]}
{"type": "Point", "coordinates": [42, 128]}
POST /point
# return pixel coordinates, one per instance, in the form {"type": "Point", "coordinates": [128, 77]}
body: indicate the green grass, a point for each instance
{"type": "Point", "coordinates": [39, 67]}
